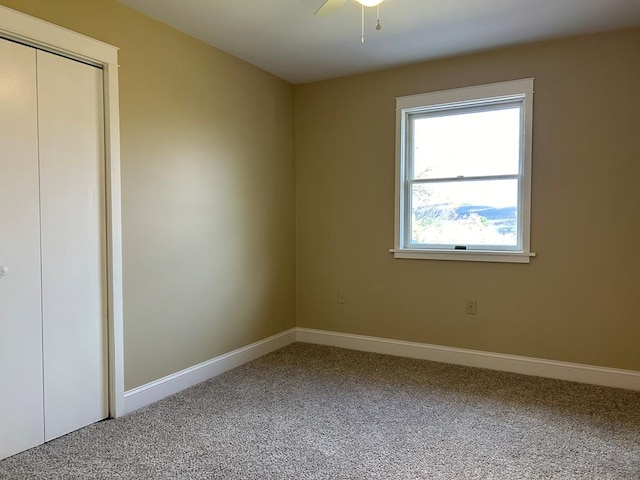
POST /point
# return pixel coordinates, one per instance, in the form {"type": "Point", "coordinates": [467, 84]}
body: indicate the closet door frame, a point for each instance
{"type": "Point", "coordinates": [45, 36]}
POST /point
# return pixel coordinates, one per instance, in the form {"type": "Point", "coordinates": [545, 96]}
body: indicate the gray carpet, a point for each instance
{"type": "Point", "coordinates": [312, 412]}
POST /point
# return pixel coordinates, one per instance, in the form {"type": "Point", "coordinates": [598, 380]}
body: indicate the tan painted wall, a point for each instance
{"type": "Point", "coordinates": [208, 190]}
{"type": "Point", "coordinates": [577, 301]}
{"type": "Point", "coordinates": [208, 202]}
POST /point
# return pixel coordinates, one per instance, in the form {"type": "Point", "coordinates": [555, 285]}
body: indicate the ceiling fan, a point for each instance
{"type": "Point", "coordinates": [330, 6]}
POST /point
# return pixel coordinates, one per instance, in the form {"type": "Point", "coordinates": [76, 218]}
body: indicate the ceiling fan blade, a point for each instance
{"type": "Point", "coordinates": [329, 6]}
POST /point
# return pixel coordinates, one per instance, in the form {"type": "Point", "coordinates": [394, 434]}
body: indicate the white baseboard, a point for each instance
{"type": "Point", "coordinates": [163, 387]}
{"type": "Point", "coordinates": [574, 372]}
{"type": "Point", "coordinates": [157, 390]}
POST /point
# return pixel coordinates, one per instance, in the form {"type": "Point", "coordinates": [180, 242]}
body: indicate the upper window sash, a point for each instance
{"type": "Point", "coordinates": [479, 107]}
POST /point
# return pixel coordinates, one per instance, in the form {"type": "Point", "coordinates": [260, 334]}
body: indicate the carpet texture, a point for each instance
{"type": "Point", "coordinates": [313, 412]}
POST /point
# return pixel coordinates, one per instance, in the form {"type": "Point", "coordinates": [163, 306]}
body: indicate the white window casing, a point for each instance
{"type": "Point", "coordinates": [517, 94]}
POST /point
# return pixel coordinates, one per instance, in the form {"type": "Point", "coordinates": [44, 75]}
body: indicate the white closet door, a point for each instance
{"type": "Point", "coordinates": [72, 189]}
{"type": "Point", "coordinates": [20, 308]}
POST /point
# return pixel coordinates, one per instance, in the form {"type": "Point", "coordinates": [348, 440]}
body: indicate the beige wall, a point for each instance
{"type": "Point", "coordinates": [208, 202]}
{"type": "Point", "coordinates": [208, 190]}
{"type": "Point", "coordinates": [577, 300]}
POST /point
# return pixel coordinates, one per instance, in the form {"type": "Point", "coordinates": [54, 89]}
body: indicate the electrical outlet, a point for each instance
{"type": "Point", "coordinates": [472, 307]}
{"type": "Point", "coordinates": [341, 297]}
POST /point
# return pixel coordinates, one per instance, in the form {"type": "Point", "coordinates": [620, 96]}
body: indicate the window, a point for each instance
{"type": "Point", "coordinates": [463, 173]}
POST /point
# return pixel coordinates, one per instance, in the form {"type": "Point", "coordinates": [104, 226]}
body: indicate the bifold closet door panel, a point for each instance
{"type": "Point", "coordinates": [72, 190]}
{"type": "Point", "coordinates": [21, 417]}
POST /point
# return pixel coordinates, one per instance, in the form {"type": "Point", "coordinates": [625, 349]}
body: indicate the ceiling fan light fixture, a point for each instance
{"type": "Point", "coordinates": [369, 3]}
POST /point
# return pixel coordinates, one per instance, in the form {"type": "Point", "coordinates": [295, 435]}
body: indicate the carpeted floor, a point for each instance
{"type": "Point", "coordinates": [312, 412]}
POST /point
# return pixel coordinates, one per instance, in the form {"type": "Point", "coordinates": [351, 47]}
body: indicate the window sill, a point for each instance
{"type": "Point", "coordinates": [463, 255]}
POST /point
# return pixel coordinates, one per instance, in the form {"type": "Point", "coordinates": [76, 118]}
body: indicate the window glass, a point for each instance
{"type": "Point", "coordinates": [466, 143]}
{"type": "Point", "coordinates": [465, 213]}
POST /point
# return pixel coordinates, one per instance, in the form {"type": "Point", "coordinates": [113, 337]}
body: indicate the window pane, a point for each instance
{"type": "Point", "coordinates": [465, 213]}
{"type": "Point", "coordinates": [467, 143]}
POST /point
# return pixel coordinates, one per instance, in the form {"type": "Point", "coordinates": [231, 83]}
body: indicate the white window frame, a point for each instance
{"type": "Point", "coordinates": [461, 98]}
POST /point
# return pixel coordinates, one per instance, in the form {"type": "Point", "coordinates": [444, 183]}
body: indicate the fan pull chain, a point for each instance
{"type": "Point", "coordinates": [362, 38]}
{"type": "Point", "coordinates": [378, 25]}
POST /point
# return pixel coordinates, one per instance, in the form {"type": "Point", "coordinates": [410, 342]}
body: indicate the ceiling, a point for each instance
{"type": "Point", "coordinates": [285, 38]}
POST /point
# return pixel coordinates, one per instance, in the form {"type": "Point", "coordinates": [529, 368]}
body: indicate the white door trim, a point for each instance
{"type": "Point", "coordinates": [46, 36]}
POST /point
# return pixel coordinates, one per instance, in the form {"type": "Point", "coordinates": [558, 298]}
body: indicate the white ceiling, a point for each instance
{"type": "Point", "coordinates": [285, 38]}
